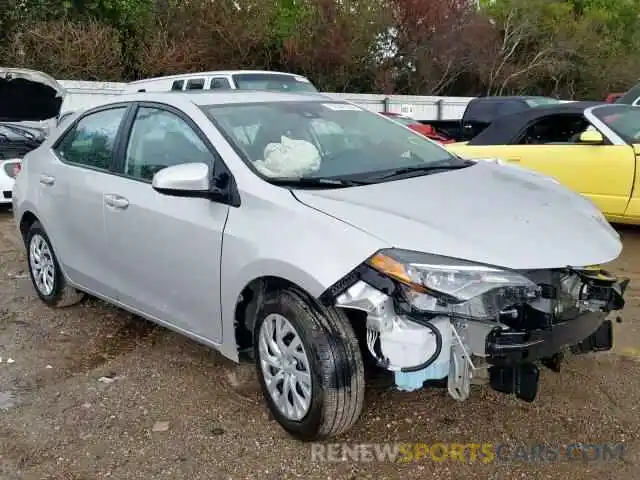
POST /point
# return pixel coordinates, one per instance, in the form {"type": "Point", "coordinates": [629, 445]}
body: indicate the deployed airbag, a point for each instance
{"type": "Point", "coordinates": [289, 158]}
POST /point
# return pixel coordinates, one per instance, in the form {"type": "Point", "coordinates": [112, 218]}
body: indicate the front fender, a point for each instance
{"type": "Point", "coordinates": [283, 238]}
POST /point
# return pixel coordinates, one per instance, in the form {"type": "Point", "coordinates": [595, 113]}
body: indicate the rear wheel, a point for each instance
{"type": "Point", "coordinates": [309, 365]}
{"type": "Point", "coordinates": [45, 272]}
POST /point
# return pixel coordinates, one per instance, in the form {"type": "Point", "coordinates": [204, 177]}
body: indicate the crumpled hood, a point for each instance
{"type": "Point", "coordinates": [28, 95]}
{"type": "Point", "coordinates": [499, 215]}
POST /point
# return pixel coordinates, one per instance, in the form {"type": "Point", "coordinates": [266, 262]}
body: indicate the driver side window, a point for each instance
{"type": "Point", "coordinates": [161, 139]}
{"type": "Point", "coordinates": [555, 129]}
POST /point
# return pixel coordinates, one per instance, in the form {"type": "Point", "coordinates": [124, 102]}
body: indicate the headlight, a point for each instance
{"type": "Point", "coordinates": [459, 280]}
{"type": "Point", "coordinates": [434, 283]}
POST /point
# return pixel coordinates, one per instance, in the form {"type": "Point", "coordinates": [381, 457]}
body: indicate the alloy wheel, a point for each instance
{"type": "Point", "coordinates": [285, 366]}
{"type": "Point", "coordinates": [42, 264]}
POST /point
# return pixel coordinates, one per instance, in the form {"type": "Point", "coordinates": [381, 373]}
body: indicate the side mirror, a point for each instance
{"type": "Point", "coordinates": [184, 180]}
{"type": "Point", "coordinates": [591, 137]}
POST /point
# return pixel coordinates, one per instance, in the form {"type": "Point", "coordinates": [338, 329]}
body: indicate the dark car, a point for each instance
{"type": "Point", "coordinates": [482, 111]}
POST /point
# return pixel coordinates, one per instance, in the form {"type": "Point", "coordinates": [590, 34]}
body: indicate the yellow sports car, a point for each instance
{"type": "Point", "coordinates": [591, 148]}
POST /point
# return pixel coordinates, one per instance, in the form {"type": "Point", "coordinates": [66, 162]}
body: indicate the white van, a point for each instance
{"type": "Point", "coordinates": [224, 80]}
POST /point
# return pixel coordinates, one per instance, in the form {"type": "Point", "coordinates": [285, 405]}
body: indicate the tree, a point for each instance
{"type": "Point", "coordinates": [566, 48]}
{"type": "Point", "coordinates": [429, 56]}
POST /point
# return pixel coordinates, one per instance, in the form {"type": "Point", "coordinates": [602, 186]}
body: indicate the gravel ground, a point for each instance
{"type": "Point", "coordinates": [170, 408]}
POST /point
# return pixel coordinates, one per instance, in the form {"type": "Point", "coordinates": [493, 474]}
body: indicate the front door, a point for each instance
{"type": "Point", "coordinates": [604, 173]}
{"type": "Point", "coordinates": [165, 249]}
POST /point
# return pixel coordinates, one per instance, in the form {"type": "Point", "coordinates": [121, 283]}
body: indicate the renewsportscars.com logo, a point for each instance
{"type": "Point", "coordinates": [484, 453]}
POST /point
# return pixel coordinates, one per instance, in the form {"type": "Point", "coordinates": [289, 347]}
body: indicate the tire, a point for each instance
{"type": "Point", "coordinates": [56, 292]}
{"type": "Point", "coordinates": [336, 371]}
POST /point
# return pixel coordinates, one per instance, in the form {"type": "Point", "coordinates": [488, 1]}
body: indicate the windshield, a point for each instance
{"type": "Point", "coordinates": [624, 120]}
{"type": "Point", "coordinates": [541, 102]}
{"type": "Point", "coordinates": [273, 81]}
{"type": "Point", "coordinates": [323, 140]}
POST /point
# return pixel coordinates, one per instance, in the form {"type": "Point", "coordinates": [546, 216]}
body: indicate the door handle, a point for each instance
{"type": "Point", "coordinates": [116, 201]}
{"type": "Point", "coordinates": [47, 180]}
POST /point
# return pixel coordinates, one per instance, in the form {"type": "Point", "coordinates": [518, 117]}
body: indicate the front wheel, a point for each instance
{"type": "Point", "coordinates": [45, 272]}
{"type": "Point", "coordinates": [309, 366]}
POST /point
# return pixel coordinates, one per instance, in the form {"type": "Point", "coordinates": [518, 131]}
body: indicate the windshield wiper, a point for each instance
{"type": "Point", "coordinates": [316, 182]}
{"type": "Point", "coordinates": [425, 169]}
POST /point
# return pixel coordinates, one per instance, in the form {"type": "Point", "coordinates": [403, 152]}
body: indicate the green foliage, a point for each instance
{"type": "Point", "coordinates": [287, 16]}
{"type": "Point", "coordinates": [568, 48]}
{"type": "Point", "coordinates": [118, 13]}
{"type": "Point", "coordinates": [592, 44]}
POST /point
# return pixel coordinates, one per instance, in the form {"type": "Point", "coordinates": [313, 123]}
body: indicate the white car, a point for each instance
{"type": "Point", "coordinates": [8, 171]}
{"type": "Point", "coordinates": [29, 103]}
{"type": "Point", "coordinates": [225, 80]}
{"type": "Point", "coordinates": [316, 234]}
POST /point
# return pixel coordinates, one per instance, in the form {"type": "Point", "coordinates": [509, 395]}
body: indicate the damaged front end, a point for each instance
{"type": "Point", "coordinates": [431, 317]}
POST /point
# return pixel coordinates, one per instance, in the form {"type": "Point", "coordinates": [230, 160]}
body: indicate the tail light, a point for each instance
{"type": "Point", "coordinates": [12, 169]}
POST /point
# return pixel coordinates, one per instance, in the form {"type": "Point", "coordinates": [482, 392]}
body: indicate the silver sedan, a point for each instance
{"type": "Point", "coordinates": [316, 237]}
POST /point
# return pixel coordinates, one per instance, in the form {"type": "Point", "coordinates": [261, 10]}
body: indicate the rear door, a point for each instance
{"type": "Point", "coordinates": [166, 249]}
{"type": "Point", "coordinates": [72, 189]}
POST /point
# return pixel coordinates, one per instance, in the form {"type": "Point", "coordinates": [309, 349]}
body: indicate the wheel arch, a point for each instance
{"type": "Point", "coordinates": [249, 298]}
{"type": "Point", "coordinates": [27, 219]}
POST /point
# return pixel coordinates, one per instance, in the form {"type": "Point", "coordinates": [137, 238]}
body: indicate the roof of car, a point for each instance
{"type": "Point", "coordinates": [215, 72]}
{"type": "Point", "coordinates": [223, 97]}
{"type": "Point", "coordinates": [510, 97]}
{"type": "Point", "coordinates": [504, 128]}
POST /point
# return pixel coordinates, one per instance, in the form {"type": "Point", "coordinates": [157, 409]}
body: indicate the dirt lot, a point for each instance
{"type": "Point", "coordinates": [59, 421]}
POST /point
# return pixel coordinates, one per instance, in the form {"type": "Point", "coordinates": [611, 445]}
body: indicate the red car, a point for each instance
{"type": "Point", "coordinates": [612, 97]}
{"type": "Point", "coordinates": [426, 130]}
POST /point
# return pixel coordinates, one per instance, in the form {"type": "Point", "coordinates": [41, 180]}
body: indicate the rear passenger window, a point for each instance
{"type": "Point", "coordinates": [177, 85]}
{"type": "Point", "coordinates": [195, 84]}
{"type": "Point", "coordinates": [91, 141]}
{"type": "Point", "coordinates": [220, 82]}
